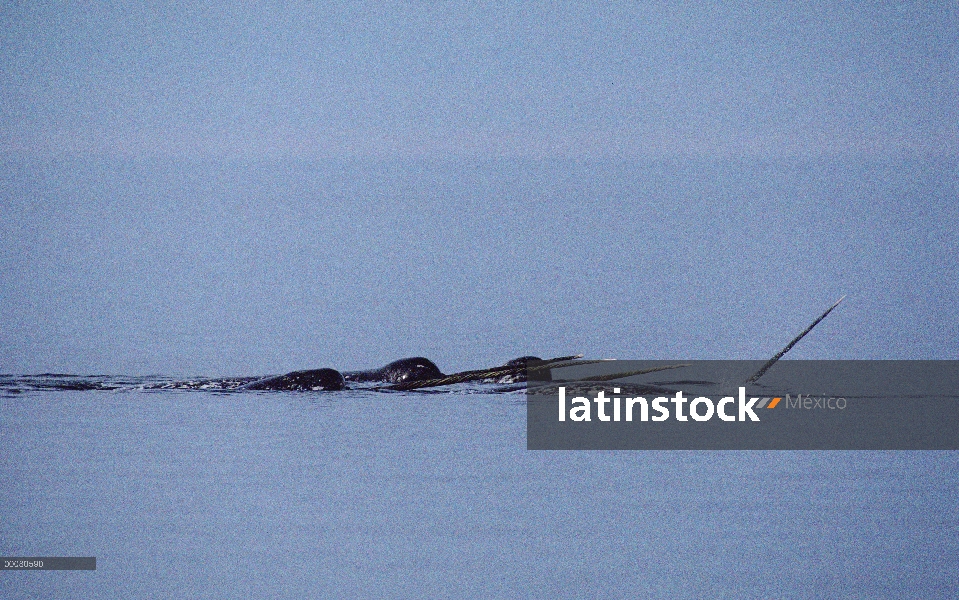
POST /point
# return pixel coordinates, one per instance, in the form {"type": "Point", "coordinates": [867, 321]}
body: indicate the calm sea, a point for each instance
{"type": "Point", "coordinates": [359, 494]}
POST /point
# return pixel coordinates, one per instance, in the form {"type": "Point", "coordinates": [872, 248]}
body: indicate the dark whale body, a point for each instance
{"type": "Point", "coordinates": [404, 370]}
{"type": "Point", "coordinates": [522, 361]}
{"type": "Point", "coordinates": [315, 379]}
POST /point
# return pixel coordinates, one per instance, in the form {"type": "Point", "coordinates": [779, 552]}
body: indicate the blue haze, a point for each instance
{"type": "Point", "coordinates": [397, 79]}
{"type": "Point", "coordinates": [257, 187]}
{"type": "Point", "coordinates": [252, 188]}
{"type": "Point", "coordinates": [249, 268]}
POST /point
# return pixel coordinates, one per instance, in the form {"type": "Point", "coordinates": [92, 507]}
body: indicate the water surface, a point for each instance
{"type": "Point", "coordinates": [206, 494]}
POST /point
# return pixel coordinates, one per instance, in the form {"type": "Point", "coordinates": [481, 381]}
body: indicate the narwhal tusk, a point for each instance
{"type": "Point", "coordinates": [789, 346]}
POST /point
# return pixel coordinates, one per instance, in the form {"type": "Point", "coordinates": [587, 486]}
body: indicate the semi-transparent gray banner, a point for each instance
{"type": "Point", "coordinates": [49, 563]}
{"type": "Point", "coordinates": [718, 405]}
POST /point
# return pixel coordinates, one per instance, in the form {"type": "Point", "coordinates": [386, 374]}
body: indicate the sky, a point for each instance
{"type": "Point", "coordinates": [517, 79]}
{"type": "Point", "coordinates": [260, 187]}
